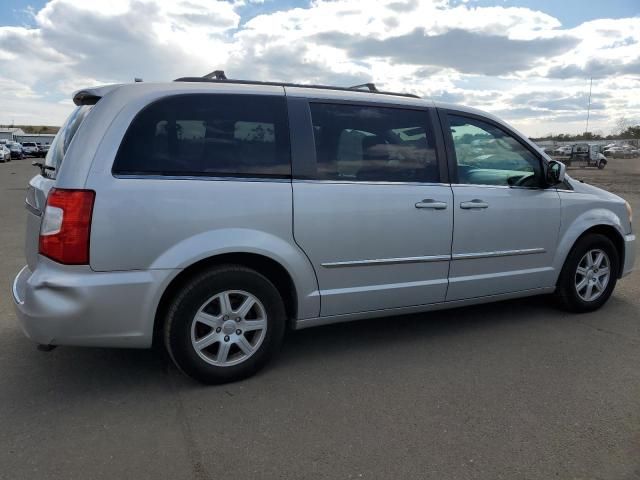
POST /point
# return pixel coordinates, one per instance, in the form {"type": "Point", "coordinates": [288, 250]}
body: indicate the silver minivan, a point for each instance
{"type": "Point", "coordinates": [210, 215]}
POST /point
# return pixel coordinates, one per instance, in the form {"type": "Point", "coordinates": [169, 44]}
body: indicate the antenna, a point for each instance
{"type": "Point", "coordinates": [589, 107]}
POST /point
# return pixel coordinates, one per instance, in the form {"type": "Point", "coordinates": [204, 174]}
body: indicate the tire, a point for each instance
{"type": "Point", "coordinates": [230, 356]}
{"type": "Point", "coordinates": [601, 165]}
{"type": "Point", "coordinates": [573, 295]}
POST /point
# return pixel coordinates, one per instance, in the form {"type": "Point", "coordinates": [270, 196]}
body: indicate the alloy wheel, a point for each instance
{"type": "Point", "coordinates": [229, 328]}
{"type": "Point", "coordinates": [592, 275]}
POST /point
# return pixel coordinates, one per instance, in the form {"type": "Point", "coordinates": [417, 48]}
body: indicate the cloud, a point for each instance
{"type": "Point", "coordinates": [596, 68]}
{"type": "Point", "coordinates": [464, 51]}
{"type": "Point", "coordinates": [513, 61]}
{"type": "Point", "coordinates": [560, 101]}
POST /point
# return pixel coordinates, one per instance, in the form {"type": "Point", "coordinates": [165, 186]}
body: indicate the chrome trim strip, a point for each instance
{"type": "Point", "coordinates": [386, 261]}
{"type": "Point", "coordinates": [369, 182]}
{"type": "Point", "coordinates": [204, 178]}
{"type": "Point", "coordinates": [499, 253]}
{"type": "Point", "coordinates": [433, 258]}
{"type": "Point", "coordinates": [508, 187]}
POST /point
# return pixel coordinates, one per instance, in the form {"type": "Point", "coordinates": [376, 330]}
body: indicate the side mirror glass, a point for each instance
{"type": "Point", "coordinates": [556, 172]}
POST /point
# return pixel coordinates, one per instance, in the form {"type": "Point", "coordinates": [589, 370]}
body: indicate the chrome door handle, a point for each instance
{"type": "Point", "coordinates": [475, 203]}
{"type": "Point", "coordinates": [431, 203]}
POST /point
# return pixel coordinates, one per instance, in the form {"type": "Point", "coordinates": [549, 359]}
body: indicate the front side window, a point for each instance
{"type": "Point", "coordinates": [487, 155]}
{"type": "Point", "coordinates": [208, 135]}
{"type": "Point", "coordinates": [366, 143]}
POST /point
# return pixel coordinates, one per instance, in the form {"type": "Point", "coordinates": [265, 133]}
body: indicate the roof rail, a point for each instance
{"type": "Point", "coordinates": [218, 76]}
{"type": "Point", "coordinates": [370, 86]}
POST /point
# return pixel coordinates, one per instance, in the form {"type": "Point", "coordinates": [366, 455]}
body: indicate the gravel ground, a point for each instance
{"type": "Point", "coordinates": [515, 390]}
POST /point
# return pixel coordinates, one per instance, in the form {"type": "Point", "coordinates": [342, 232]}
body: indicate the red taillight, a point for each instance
{"type": "Point", "coordinates": [66, 226]}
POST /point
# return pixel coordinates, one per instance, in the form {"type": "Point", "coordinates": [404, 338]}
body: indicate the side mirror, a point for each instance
{"type": "Point", "coordinates": [556, 172]}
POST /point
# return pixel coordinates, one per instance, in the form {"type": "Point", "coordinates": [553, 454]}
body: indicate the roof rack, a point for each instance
{"type": "Point", "coordinates": [370, 86]}
{"type": "Point", "coordinates": [218, 76]}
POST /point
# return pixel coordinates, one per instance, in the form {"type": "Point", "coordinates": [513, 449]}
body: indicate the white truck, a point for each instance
{"type": "Point", "coordinates": [589, 154]}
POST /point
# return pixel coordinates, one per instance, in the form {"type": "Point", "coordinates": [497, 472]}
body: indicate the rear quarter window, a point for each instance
{"type": "Point", "coordinates": [208, 135]}
{"type": "Point", "coordinates": [61, 141]}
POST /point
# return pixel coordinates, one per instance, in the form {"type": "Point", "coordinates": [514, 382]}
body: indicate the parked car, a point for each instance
{"type": "Point", "coordinates": [615, 152]}
{"type": "Point", "coordinates": [43, 148]}
{"type": "Point", "coordinates": [277, 206]}
{"type": "Point", "coordinates": [628, 151]}
{"type": "Point", "coordinates": [565, 150]}
{"type": "Point", "coordinates": [16, 150]}
{"type": "Point", "coordinates": [5, 153]}
{"type": "Point", "coordinates": [30, 149]}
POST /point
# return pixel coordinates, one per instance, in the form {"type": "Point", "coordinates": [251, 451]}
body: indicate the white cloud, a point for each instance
{"type": "Point", "coordinates": [484, 56]}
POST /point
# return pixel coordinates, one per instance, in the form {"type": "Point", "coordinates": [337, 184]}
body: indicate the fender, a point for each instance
{"type": "Point", "coordinates": [242, 240]}
{"type": "Point", "coordinates": [571, 232]}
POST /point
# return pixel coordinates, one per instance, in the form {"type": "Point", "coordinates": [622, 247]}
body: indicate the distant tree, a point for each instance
{"type": "Point", "coordinates": [622, 123]}
{"type": "Point", "coordinates": [631, 132]}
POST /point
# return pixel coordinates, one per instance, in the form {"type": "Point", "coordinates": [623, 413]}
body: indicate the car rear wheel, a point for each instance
{"type": "Point", "coordinates": [225, 324]}
{"type": "Point", "coordinates": [589, 274]}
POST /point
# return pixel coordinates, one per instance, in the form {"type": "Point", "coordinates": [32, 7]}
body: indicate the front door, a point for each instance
{"type": "Point", "coordinates": [506, 222]}
{"type": "Point", "coordinates": [373, 217]}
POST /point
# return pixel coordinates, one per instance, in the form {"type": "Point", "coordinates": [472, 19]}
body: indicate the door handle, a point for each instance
{"type": "Point", "coordinates": [475, 203]}
{"type": "Point", "coordinates": [431, 203]}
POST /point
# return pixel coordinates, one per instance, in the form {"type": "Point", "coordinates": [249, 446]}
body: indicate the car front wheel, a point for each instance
{"type": "Point", "coordinates": [225, 324]}
{"type": "Point", "coordinates": [589, 274]}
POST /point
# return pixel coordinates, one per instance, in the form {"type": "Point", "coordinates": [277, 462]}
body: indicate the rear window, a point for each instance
{"type": "Point", "coordinates": [63, 138]}
{"type": "Point", "coordinates": [208, 135]}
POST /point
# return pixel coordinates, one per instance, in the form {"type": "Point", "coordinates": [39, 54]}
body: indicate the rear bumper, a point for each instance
{"type": "Point", "coordinates": [73, 305]}
{"type": "Point", "coordinates": [629, 254]}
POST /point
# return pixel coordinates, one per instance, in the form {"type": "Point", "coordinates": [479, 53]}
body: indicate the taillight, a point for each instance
{"type": "Point", "coordinates": [66, 226]}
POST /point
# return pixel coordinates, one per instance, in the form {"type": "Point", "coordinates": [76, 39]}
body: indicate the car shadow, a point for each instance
{"type": "Point", "coordinates": [370, 334]}
{"type": "Point", "coordinates": [82, 371]}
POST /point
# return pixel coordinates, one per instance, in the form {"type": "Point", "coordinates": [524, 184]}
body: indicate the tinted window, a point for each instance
{"type": "Point", "coordinates": [210, 134]}
{"type": "Point", "coordinates": [63, 138]}
{"type": "Point", "coordinates": [487, 155]}
{"type": "Point", "coordinates": [369, 143]}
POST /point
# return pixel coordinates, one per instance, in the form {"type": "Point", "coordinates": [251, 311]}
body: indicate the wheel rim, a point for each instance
{"type": "Point", "coordinates": [592, 275]}
{"type": "Point", "coordinates": [229, 328]}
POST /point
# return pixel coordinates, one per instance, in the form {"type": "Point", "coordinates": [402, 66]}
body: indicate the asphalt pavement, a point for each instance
{"type": "Point", "coordinates": [514, 390]}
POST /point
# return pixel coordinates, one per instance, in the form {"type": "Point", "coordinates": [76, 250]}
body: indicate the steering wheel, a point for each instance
{"type": "Point", "coordinates": [523, 180]}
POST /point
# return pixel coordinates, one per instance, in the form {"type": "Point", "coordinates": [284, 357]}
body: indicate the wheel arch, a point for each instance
{"type": "Point", "coordinates": [612, 234]}
{"type": "Point", "coordinates": [270, 268]}
{"type": "Point", "coordinates": [609, 231]}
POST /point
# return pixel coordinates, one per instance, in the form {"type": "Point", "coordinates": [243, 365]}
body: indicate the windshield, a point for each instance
{"type": "Point", "coordinates": [60, 143]}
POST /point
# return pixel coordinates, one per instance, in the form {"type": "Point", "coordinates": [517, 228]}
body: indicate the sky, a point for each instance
{"type": "Point", "coordinates": [529, 62]}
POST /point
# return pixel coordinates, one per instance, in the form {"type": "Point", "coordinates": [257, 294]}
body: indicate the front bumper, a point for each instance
{"type": "Point", "coordinates": [629, 254]}
{"type": "Point", "coordinates": [74, 305]}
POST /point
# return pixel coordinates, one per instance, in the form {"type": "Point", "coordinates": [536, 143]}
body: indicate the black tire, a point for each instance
{"type": "Point", "coordinates": [601, 165]}
{"type": "Point", "coordinates": [195, 293]}
{"type": "Point", "coordinates": [566, 291]}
